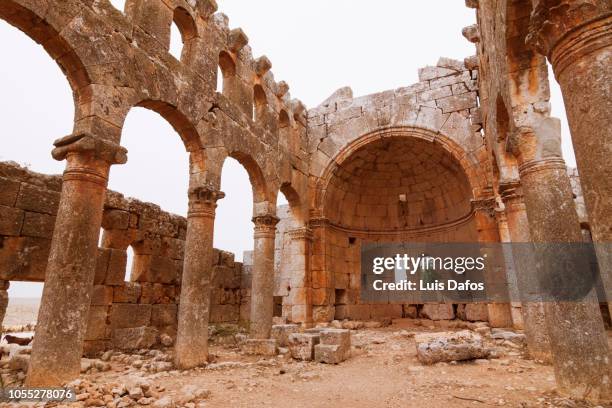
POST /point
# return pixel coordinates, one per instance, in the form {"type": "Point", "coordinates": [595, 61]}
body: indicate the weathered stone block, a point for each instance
{"type": "Point", "coordinates": [38, 225]}
{"type": "Point", "coordinates": [102, 295]}
{"type": "Point", "coordinates": [117, 265]}
{"type": "Point", "coordinates": [129, 292]}
{"type": "Point", "coordinates": [10, 189]}
{"type": "Point", "coordinates": [164, 315]}
{"type": "Point", "coordinates": [125, 315]}
{"type": "Point", "coordinates": [476, 312]}
{"type": "Point", "coordinates": [301, 345]}
{"type": "Point", "coordinates": [281, 333]}
{"type": "Point", "coordinates": [457, 102]}
{"type": "Point", "coordinates": [115, 219]}
{"type": "Point", "coordinates": [329, 354]}
{"type": "Point", "coordinates": [24, 258]}
{"type": "Point", "coordinates": [442, 311]}
{"type": "Point", "coordinates": [444, 347]}
{"type": "Point", "coordinates": [134, 338]}
{"type": "Point", "coordinates": [32, 198]}
{"type": "Point", "coordinates": [97, 323]}
{"type": "Point", "coordinates": [260, 347]}
{"type": "Point", "coordinates": [11, 221]}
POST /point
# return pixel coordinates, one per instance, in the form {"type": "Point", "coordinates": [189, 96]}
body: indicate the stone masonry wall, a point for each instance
{"type": "Point", "coordinates": [121, 306]}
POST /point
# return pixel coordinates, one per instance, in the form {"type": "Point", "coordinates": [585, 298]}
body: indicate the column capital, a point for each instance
{"type": "Point", "coordinates": [86, 143]}
{"type": "Point", "coordinates": [484, 205]}
{"type": "Point", "coordinates": [320, 222]}
{"type": "Point", "coordinates": [567, 30]}
{"type": "Point", "coordinates": [203, 201]}
{"type": "Point", "coordinates": [301, 234]}
{"type": "Point", "coordinates": [265, 225]}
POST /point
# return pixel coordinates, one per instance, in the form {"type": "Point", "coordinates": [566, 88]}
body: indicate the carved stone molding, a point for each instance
{"type": "Point", "coordinates": [265, 225]}
{"type": "Point", "coordinates": [566, 30]}
{"type": "Point", "coordinates": [111, 153]}
{"type": "Point", "coordinates": [301, 234]}
{"type": "Point", "coordinates": [484, 205]}
{"type": "Point", "coordinates": [203, 202]}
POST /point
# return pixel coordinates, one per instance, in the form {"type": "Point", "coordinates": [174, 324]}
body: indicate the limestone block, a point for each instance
{"type": "Point", "coordinates": [125, 315]}
{"type": "Point", "coordinates": [134, 338]}
{"type": "Point", "coordinates": [281, 333]}
{"type": "Point", "coordinates": [115, 219]}
{"type": "Point", "coordinates": [24, 258]}
{"type": "Point", "coordinates": [117, 264]}
{"type": "Point", "coordinates": [97, 326]}
{"type": "Point", "coordinates": [442, 311]}
{"type": "Point", "coordinates": [129, 292]}
{"type": "Point", "coordinates": [164, 315]}
{"type": "Point", "coordinates": [35, 199]}
{"type": "Point", "coordinates": [102, 295]}
{"type": "Point", "coordinates": [476, 312]}
{"type": "Point", "coordinates": [224, 313]}
{"type": "Point", "coordinates": [428, 73]}
{"type": "Point", "coordinates": [260, 347]}
{"type": "Point", "coordinates": [301, 345]}
{"type": "Point", "coordinates": [10, 190]}
{"type": "Point", "coordinates": [446, 346]}
{"type": "Point", "coordinates": [11, 221]}
{"type": "Point", "coordinates": [329, 354]}
{"type": "Point", "coordinates": [472, 33]}
{"type": "Point", "coordinates": [458, 102]}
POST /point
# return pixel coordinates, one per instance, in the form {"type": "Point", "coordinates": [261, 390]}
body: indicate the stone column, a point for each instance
{"type": "Point", "coordinates": [64, 308]}
{"type": "Point", "coordinates": [533, 312]}
{"type": "Point", "coordinates": [488, 232]}
{"type": "Point", "coordinates": [578, 341]}
{"type": "Point", "coordinates": [576, 36]}
{"type": "Point", "coordinates": [301, 281]}
{"type": "Point", "coordinates": [191, 349]}
{"type": "Point", "coordinates": [4, 299]}
{"type": "Point", "coordinates": [262, 289]}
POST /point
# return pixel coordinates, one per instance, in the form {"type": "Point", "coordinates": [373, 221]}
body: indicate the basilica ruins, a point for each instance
{"type": "Point", "coordinates": [469, 153]}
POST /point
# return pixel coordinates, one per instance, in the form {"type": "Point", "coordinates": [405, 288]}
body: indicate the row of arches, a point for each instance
{"type": "Point", "coordinates": [158, 166]}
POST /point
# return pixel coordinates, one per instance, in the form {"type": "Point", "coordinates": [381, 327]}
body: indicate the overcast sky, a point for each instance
{"type": "Point", "coordinates": [316, 46]}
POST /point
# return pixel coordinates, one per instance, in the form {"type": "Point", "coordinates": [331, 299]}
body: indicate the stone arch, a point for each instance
{"type": "Point", "coordinates": [474, 173]}
{"type": "Point", "coordinates": [256, 176]}
{"type": "Point", "coordinates": [177, 119]}
{"type": "Point", "coordinates": [295, 203]}
{"type": "Point", "coordinates": [43, 32]}
{"type": "Point", "coordinates": [187, 28]}
{"type": "Point", "coordinates": [260, 102]}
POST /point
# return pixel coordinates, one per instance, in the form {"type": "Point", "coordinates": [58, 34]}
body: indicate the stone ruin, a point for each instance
{"type": "Point", "coordinates": [467, 154]}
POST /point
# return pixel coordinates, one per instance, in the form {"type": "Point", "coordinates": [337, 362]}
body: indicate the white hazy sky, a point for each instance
{"type": "Point", "coordinates": [317, 46]}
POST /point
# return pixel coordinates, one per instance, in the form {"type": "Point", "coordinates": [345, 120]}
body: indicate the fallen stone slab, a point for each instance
{"type": "Point", "coordinates": [135, 338]}
{"type": "Point", "coordinates": [281, 333]}
{"type": "Point", "coordinates": [260, 347]}
{"type": "Point", "coordinates": [301, 345]}
{"type": "Point", "coordinates": [334, 346]}
{"type": "Point", "coordinates": [449, 346]}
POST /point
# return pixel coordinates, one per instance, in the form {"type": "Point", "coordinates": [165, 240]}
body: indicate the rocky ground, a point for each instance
{"type": "Point", "coordinates": [383, 371]}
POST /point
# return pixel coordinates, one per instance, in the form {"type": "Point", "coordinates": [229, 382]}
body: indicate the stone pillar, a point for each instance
{"type": "Point", "coordinates": [191, 349]}
{"type": "Point", "coordinates": [262, 289]}
{"type": "Point", "coordinates": [533, 312]}
{"type": "Point", "coordinates": [576, 36]}
{"type": "Point", "coordinates": [64, 308]}
{"type": "Point", "coordinates": [4, 299]}
{"type": "Point", "coordinates": [300, 297]}
{"type": "Point", "coordinates": [488, 232]}
{"type": "Point", "coordinates": [578, 341]}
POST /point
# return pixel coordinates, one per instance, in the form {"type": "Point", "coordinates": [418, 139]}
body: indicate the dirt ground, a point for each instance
{"type": "Point", "coordinates": [382, 372]}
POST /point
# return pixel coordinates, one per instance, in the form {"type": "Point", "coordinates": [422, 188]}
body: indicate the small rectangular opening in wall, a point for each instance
{"type": "Point", "coordinates": [340, 312]}
{"type": "Point", "coordinates": [352, 240]}
{"type": "Point", "coordinates": [278, 306]}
